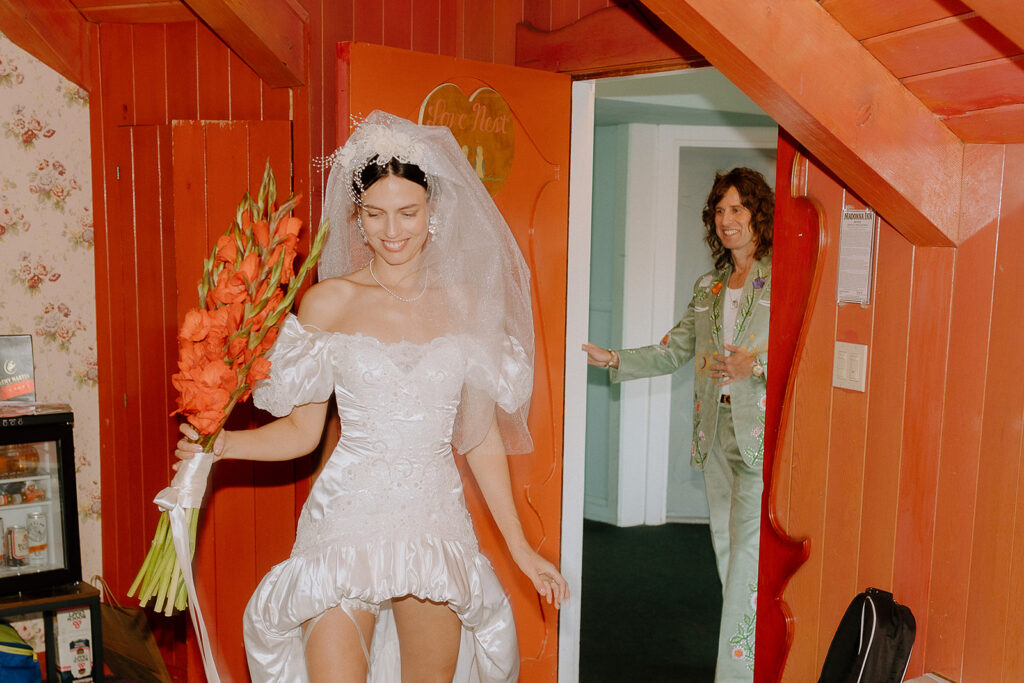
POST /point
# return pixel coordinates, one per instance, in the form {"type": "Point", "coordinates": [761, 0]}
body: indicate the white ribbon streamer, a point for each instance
{"type": "Point", "coordinates": [187, 490]}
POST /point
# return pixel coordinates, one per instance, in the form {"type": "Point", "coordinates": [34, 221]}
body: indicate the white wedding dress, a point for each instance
{"type": "Point", "coordinates": [386, 517]}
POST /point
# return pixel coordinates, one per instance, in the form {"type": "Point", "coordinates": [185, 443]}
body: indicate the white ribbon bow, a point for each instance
{"type": "Point", "coordinates": [187, 490]}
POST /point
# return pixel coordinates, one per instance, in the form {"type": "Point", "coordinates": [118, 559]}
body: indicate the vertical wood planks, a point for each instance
{"type": "Point", "coordinates": [124, 477]}
{"type": "Point", "coordinates": [992, 555]}
{"type": "Point", "coordinates": [156, 320]}
{"type": "Point", "coordinates": [115, 86]}
{"type": "Point", "coordinates": [479, 32]}
{"type": "Point", "coordinates": [182, 50]}
{"type": "Point", "coordinates": [537, 13]}
{"type": "Point", "coordinates": [970, 321]}
{"type": "Point", "coordinates": [397, 26]}
{"type": "Point", "coordinates": [231, 497]}
{"type": "Point", "coordinates": [368, 24]}
{"type": "Point", "coordinates": [426, 26]}
{"type": "Point", "coordinates": [453, 28]}
{"type": "Point", "coordinates": [506, 16]}
{"type": "Point", "coordinates": [1013, 657]}
{"type": "Point", "coordinates": [845, 480]}
{"type": "Point", "coordinates": [927, 348]}
{"type": "Point", "coordinates": [149, 69]}
{"type": "Point", "coordinates": [274, 494]}
{"type": "Point", "coordinates": [812, 411]}
{"type": "Point", "coordinates": [564, 12]}
{"type": "Point", "coordinates": [212, 60]}
{"type": "Point", "coordinates": [188, 180]}
{"type": "Point", "coordinates": [245, 96]}
{"type": "Point", "coordinates": [128, 423]}
{"type": "Point", "coordinates": [887, 371]}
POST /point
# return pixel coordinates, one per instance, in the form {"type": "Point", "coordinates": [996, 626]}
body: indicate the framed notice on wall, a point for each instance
{"type": "Point", "coordinates": [17, 373]}
{"type": "Point", "coordinates": [856, 255]}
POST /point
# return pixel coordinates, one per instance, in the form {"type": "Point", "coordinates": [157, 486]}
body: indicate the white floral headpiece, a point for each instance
{"type": "Point", "coordinates": [375, 143]}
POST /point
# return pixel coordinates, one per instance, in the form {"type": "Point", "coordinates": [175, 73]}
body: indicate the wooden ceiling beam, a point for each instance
{"type": "Point", "coordinates": [268, 35]}
{"type": "Point", "coordinates": [53, 32]}
{"type": "Point", "coordinates": [866, 127]}
{"type": "Point", "coordinates": [613, 40]}
{"type": "Point", "coordinates": [998, 125]}
{"type": "Point", "coordinates": [1005, 15]}
{"type": "Point", "coordinates": [134, 11]}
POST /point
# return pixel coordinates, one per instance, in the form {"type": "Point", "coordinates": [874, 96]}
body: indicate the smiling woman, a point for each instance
{"type": "Point", "coordinates": [725, 329]}
{"type": "Point", "coordinates": [393, 219]}
{"type": "Point", "coordinates": [421, 328]}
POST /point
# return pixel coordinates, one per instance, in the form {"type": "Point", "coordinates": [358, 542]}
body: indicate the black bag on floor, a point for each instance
{"type": "Point", "coordinates": [873, 641]}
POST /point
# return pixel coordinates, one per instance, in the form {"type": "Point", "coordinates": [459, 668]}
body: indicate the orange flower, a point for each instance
{"type": "Point", "coordinates": [189, 356]}
{"type": "Point", "coordinates": [236, 347]}
{"type": "Point", "coordinates": [258, 319]}
{"type": "Point", "coordinates": [260, 369]}
{"type": "Point", "coordinates": [249, 268]}
{"type": "Point", "coordinates": [288, 270]}
{"type": "Point", "coordinates": [288, 227]}
{"type": "Point", "coordinates": [227, 251]}
{"type": "Point", "coordinates": [716, 288]}
{"type": "Point", "coordinates": [223, 322]}
{"type": "Point", "coordinates": [195, 327]}
{"type": "Point", "coordinates": [215, 376]}
{"type": "Point", "coordinates": [228, 289]}
{"type": "Point", "coordinates": [207, 421]}
{"type": "Point", "coordinates": [261, 231]}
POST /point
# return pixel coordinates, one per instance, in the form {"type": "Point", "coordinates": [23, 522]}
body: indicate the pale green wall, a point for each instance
{"type": "Point", "coordinates": [607, 261]}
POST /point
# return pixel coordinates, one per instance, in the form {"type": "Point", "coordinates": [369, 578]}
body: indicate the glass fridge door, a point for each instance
{"type": "Point", "coordinates": [31, 518]}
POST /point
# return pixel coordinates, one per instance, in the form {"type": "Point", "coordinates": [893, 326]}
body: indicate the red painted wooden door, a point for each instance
{"type": "Point", "coordinates": [534, 201]}
{"type": "Point", "coordinates": [248, 524]}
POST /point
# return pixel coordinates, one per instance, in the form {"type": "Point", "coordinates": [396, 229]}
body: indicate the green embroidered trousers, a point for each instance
{"type": "Point", "coordinates": [734, 499]}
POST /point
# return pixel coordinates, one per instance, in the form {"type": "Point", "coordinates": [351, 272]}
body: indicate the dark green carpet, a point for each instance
{"type": "Point", "coordinates": [651, 604]}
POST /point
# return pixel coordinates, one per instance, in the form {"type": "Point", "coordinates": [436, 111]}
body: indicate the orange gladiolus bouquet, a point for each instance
{"type": "Point", "coordinates": [248, 284]}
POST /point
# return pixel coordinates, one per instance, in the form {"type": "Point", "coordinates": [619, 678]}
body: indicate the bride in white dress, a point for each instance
{"type": "Point", "coordinates": [421, 328]}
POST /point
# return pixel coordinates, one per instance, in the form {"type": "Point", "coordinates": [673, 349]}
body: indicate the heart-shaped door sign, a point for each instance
{"type": "Point", "coordinates": [482, 125]}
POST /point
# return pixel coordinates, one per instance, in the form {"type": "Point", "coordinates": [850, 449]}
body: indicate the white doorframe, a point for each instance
{"type": "Point", "coordinates": [657, 404]}
{"type": "Point", "coordinates": [574, 438]}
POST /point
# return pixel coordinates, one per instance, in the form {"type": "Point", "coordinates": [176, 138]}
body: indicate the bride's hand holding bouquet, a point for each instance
{"type": "Point", "coordinates": [248, 284]}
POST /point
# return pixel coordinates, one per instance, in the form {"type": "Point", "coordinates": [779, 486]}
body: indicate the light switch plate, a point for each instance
{"type": "Point", "coordinates": [850, 366]}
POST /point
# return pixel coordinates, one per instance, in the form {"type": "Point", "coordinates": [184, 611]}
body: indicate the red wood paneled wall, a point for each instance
{"type": "Point", "coordinates": [921, 475]}
{"type": "Point", "coordinates": [146, 76]}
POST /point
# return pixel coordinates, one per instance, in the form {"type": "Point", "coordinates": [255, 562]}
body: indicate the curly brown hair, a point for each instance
{"type": "Point", "coordinates": [756, 195]}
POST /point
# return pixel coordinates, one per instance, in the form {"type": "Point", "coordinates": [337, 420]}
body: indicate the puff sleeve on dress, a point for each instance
{"type": "Point", "coordinates": [300, 369]}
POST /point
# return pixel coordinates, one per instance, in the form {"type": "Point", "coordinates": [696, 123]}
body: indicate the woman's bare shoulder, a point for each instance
{"type": "Point", "coordinates": [325, 303]}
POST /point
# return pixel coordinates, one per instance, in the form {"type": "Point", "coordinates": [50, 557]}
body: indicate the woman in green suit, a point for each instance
{"type": "Point", "coordinates": [725, 331]}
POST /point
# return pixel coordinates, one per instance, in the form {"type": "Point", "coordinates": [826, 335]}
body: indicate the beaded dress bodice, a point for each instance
{"type": "Point", "coordinates": [392, 472]}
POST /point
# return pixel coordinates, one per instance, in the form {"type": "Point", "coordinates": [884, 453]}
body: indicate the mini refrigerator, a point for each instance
{"type": "Point", "coordinates": [38, 500]}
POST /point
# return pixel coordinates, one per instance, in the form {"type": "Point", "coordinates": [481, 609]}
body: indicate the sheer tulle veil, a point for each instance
{"type": "Point", "coordinates": [473, 269]}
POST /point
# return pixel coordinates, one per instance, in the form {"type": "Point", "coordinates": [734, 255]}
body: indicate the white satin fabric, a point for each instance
{"type": "Point", "coordinates": [387, 516]}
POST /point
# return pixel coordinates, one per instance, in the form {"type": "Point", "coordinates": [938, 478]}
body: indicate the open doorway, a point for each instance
{"type": "Point", "coordinates": [645, 150]}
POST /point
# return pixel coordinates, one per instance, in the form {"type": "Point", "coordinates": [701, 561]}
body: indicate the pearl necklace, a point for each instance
{"type": "Point", "coordinates": [389, 291]}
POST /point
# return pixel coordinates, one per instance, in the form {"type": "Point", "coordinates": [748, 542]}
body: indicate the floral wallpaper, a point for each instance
{"type": "Point", "coordinates": [46, 260]}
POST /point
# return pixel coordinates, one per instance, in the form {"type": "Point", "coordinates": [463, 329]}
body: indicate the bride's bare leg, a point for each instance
{"type": "Point", "coordinates": [428, 637]}
{"type": "Point", "coordinates": [334, 651]}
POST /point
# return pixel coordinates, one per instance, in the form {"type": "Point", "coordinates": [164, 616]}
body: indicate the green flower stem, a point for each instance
{"type": "Point", "coordinates": [158, 537]}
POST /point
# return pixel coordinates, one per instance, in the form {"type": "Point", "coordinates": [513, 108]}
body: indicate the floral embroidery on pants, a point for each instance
{"type": "Point", "coordinates": [743, 640]}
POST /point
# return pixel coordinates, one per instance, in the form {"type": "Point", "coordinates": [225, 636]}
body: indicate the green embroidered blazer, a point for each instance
{"type": "Point", "coordinates": [699, 336]}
